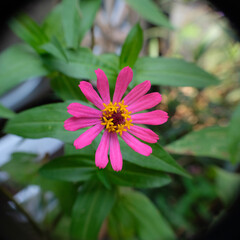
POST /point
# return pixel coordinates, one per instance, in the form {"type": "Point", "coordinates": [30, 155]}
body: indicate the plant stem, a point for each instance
{"type": "Point", "coordinates": [92, 37]}
{"type": "Point", "coordinates": [23, 211]}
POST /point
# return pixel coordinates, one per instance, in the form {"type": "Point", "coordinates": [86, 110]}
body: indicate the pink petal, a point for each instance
{"type": "Point", "coordinates": [136, 145]}
{"type": "Point", "coordinates": [124, 78]}
{"type": "Point", "coordinates": [101, 156]}
{"type": "Point", "coordinates": [144, 134]}
{"type": "Point", "coordinates": [137, 92]}
{"type": "Point", "coordinates": [115, 153]}
{"type": "Point", "coordinates": [103, 85]}
{"type": "Point", "coordinates": [73, 123]}
{"type": "Point", "coordinates": [156, 117]}
{"type": "Point", "coordinates": [88, 136]}
{"type": "Point", "coordinates": [91, 94]}
{"type": "Point", "coordinates": [79, 110]}
{"type": "Point", "coordinates": [145, 102]}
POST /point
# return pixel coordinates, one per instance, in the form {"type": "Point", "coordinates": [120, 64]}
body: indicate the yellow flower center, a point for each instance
{"type": "Point", "coordinates": [116, 117]}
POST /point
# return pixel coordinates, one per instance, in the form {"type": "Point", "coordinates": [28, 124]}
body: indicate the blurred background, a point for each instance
{"type": "Point", "coordinates": [206, 33]}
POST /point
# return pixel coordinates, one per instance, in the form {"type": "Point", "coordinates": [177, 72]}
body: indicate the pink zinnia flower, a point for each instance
{"type": "Point", "coordinates": [116, 117]}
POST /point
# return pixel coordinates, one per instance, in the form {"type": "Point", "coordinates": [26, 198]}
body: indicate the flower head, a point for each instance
{"type": "Point", "coordinates": [116, 118]}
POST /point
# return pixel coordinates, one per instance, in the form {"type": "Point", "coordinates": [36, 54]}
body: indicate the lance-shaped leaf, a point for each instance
{"type": "Point", "coordinates": [82, 64]}
{"type": "Point", "coordinates": [71, 22]}
{"type": "Point", "coordinates": [172, 72]}
{"type": "Point", "coordinates": [29, 31]}
{"type": "Point", "coordinates": [70, 168]}
{"type": "Point", "coordinates": [234, 136]}
{"type": "Point", "coordinates": [43, 121]}
{"type": "Point", "coordinates": [19, 63]}
{"type": "Point", "coordinates": [135, 176]}
{"type": "Point", "coordinates": [5, 112]}
{"type": "Point", "coordinates": [158, 160]}
{"type": "Point", "coordinates": [149, 222]}
{"type": "Point", "coordinates": [92, 206]}
{"type": "Point", "coordinates": [150, 11]}
{"type": "Point", "coordinates": [74, 168]}
{"type": "Point", "coordinates": [67, 88]}
{"type": "Point", "coordinates": [131, 47]}
{"type": "Point", "coordinates": [207, 142]}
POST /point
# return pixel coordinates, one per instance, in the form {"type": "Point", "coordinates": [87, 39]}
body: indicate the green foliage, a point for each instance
{"type": "Point", "coordinates": [43, 121]}
{"type": "Point", "coordinates": [234, 136]}
{"type": "Point", "coordinates": [150, 11]}
{"type": "Point", "coordinates": [92, 206]}
{"type": "Point", "coordinates": [70, 168]}
{"type": "Point", "coordinates": [19, 63]}
{"type": "Point", "coordinates": [158, 160]}
{"type": "Point", "coordinates": [55, 48]}
{"type": "Point", "coordinates": [22, 168]}
{"type": "Point", "coordinates": [70, 22]}
{"type": "Point", "coordinates": [29, 31]}
{"type": "Point", "coordinates": [172, 72]}
{"type": "Point", "coordinates": [200, 143]}
{"type": "Point", "coordinates": [81, 65]}
{"type": "Point", "coordinates": [227, 184]}
{"type": "Point", "coordinates": [5, 112]}
{"type": "Point", "coordinates": [129, 54]}
{"type": "Point", "coordinates": [67, 88]}
{"type": "Point", "coordinates": [75, 168]}
{"type": "Point", "coordinates": [150, 224]}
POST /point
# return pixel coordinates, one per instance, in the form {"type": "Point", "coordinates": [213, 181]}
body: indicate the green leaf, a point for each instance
{"type": "Point", "coordinates": [43, 121]}
{"type": "Point", "coordinates": [82, 64]}
{"type": "Point", "coordinates": [67, 88]}
{"type": "Point", "coordinates": [5, 112]}
{"type": "Point", "coordinates": [19, 63]}
{"type": "Point", "coordinates": [148, 220]}
{"type": "Point", "coordinates": [29, 31]}
{"type": "Point", "coordinates": [234, 136]}
{"type": "Point", "coordinates": [139, 177]}
{"type": "Point", "coordinates": [150, 11]}
{"type": "Point", "coordinates": [227, 184]}
{"type": "Point", "coordinates": [88, 10]}
{"type": "Point", "coordinates": [55, 48]}
{"type": "Point", "coordinates": [172, 72]}
{"type": "Point", "coordinates": [92, 206]}
{"type": "Point", "coordinates": [52, 24]}
{"type": "Point", "coordinates": [159, 159]}
{"type": "Point", "coordinates": [75, 168]}
{"type": "Point", "coordinates": [121, 223]}
{"type": "Point", "coordinates": [207, 142]}
{"type": "Point", "coordinates": [131, 47]}
{"type": "Point", "coordinates": [21, 168]}
{"type": "Point", "coordinates": [70, 22]}
{"type": "Point", "coordinates": [69, 168]}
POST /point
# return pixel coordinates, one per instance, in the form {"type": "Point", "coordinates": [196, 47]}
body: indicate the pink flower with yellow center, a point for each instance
{"type": "Point", "coordinates": [116, 117]}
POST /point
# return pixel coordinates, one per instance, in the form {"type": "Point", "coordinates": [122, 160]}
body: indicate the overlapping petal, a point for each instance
{"type": "Point", "coordinates": [81, 111]}
{"type": "Point", "coordinates": [91, 94]}
{"type": "Point", "coordinates": [136, 145]}
{"type": "Point", "coordinates": [124, 78]}
{"type": "Point", "coordinates": [73, 123]}
{"type": "Point", "coordinates": [144, 134]}
{"type": "Point", "coordinates": [87, 137]}
{"type": "Point", "coordinates": [145, 102]}
{"type": "Point", "coordinates": [115, 153]}
{"type": "Point", "coordinates": [137, 92]}
{"type": "Point", "coordinates": [101, 156]}
{"type": "Point", "coordinates": [103, 85]}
